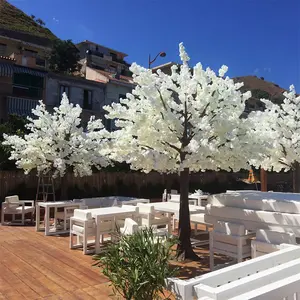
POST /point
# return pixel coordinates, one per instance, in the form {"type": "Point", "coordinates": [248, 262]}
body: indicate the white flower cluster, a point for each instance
{"type": "Point", "coordinates": [57, 141]}
{"type": "Point", "coordinates": [280, 125]}
{"type": "Point", "coordinates": [189, 119]}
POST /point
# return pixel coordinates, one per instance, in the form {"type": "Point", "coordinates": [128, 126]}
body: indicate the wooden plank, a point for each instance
{"type": "Point", "coordinates": [7, 290]}
{"type": "Point", "coordinates": [18, 284]}
{"type": "Point", "coordinates": [47, 267]}
{"type": "Point", "coordinates": [26, 273]}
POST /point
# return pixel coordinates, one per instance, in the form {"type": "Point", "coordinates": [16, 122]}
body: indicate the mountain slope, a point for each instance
{"type": "Point", "coordinates": [15, 20]}
{"type": "Point", "coordinates": [261, 88]}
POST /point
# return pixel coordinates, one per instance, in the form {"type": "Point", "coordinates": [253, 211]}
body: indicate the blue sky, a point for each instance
{"type": "Point", "coordinates": [252, 37]}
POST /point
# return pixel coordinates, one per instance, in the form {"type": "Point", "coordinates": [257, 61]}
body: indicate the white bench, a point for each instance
{"type": "Point", "coordinates": [248, 276]}
{"type": "Point", "coordinates": [256, 210]}
{"type": "Point", "coordinates": [268, 241]}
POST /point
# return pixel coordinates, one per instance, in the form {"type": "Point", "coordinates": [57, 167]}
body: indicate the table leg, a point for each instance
{"type": "Point", "coordinates": [47, 220]}
{"type": "Point", "coordinates": [97, 240]}
{"type": "Point", "coordinates": [37, 218]}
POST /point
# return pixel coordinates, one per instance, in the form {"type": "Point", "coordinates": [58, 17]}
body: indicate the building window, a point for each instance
{"type": "Point", "coordinates": [29, 52]}
{"type": "Point", "coordinates": [87, 100]}
{"type": "Point", "coordinates": [40, 62]}
{"type": "Point", "coordinates": [113, 56]}
{"type": "Point", "coordinates": [64, 89]}
{"type": "Point", "coordinates": [2, 49]}
{"type": "Point", "coordinates": [24, 61]}
{"type": "Point", "coordinates": [28, 86]}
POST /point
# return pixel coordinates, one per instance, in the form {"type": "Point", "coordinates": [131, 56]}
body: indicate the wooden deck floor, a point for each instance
{"type": "Point", "coordinates": [33, 266]}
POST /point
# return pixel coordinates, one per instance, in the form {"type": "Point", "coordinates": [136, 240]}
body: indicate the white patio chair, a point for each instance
{"type": "Point", "coordinates": [14, 206]}
{"type": "Point", "coordinates": [231, 240]}
{"type": "Point", "coordinates": [130, 227]}
{"type": "Point", "coordinates": [64, 216]}
{"type": "Point", "coordinates": [82, 225]}
{"type": "Point", "coordinates": [268, 241]}
{"type": "Point", "coordinates": [147, 217]}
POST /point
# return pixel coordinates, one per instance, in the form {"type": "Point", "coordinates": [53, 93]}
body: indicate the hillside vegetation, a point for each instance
{"type": "Point", "coordinates": [14, 19]}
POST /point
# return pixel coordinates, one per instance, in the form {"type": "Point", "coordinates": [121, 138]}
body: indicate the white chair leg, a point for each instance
{"type": "Point", "coordinates": [13, 217]}
{"type": "Point", "coordinates": [253, 250]}
{"type": "Point", "coordinates": [211, 252]}
{"type": "Point", "coordinates": [71, 240]}
{"type": "Point", "coordinates": [84, 244]}
{"type": "Point", "coordinates": [23, 218]}
{"type": "Point", "coordinates": [239, 250]}
{"type": "Point", "coordinates": [174, 223]}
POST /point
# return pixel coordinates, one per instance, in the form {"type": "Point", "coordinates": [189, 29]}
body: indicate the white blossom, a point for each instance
{"type": "Point", "coordinates": [281, 125]}
{"type": "Point", "coordinates": [189, 119]}
{"type": "Point", "coordinates": [57, 141]}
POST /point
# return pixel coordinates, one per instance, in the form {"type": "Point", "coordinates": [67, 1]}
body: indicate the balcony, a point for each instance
{"type": "Point", "coordinates": [20, 106]}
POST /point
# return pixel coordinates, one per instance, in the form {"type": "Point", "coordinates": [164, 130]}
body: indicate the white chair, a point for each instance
{"type": "Point", "coordinates": [174, 192]}
{"type": "Point", "coordinates": [268, 241]}
{"type": "Point", "coordinates": [13, 206]}
{"type": "Point", "coordinates": [64, 216]}
{"type": "Point", "coordinates": [147, 217]}
{"type": "Point", "coordinates": [83, 226]}
{"type": "Point", "coordinates": [231, 240]}
{"type": "Point", "coordinates": [130, 227]}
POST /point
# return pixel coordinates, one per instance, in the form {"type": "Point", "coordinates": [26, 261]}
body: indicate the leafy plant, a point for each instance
{"type": "Point", "coordinates": [138, 265]}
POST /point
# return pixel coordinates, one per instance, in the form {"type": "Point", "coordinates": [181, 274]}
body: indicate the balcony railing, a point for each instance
{"type": "Point", "coordinates": [20, 106]}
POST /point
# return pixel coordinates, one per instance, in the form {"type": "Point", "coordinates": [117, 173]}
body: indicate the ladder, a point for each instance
{"type": "Point", "coordinates": [45, 187]}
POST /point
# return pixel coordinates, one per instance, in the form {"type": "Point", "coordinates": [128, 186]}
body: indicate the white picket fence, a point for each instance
{"type": "Point", "coordinates": [272, 276]}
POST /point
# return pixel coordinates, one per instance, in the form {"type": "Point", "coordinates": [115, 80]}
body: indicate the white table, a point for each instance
{"type": "Point", "coordinates": [114, 212]}
{"type": "Point", "coordinates": [173, 207]}
{"type": "Point", "coordinates": [48, 206]}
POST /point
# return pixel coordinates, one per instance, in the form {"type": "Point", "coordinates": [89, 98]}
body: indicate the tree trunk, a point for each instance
{"type": "Point", "coordinates": [296, 177]}
{"type": "Point", "coordinates": [184, 248]}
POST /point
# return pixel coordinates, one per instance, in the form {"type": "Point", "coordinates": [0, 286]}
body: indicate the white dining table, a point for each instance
{"type": "Point", "coordinates": [173, 207]}
{"type": "Point", "coordinates": [48, 206]}
{"type": "Point", "coordinates": [113, 212]}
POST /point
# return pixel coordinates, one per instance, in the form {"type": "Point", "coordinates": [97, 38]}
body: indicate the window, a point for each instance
{"type": "Point", "coordinates": [40, 62]}
{"type": "Point", "coordinates": [29, 86]}
{"type": "Point", "coordinates": [87, 100]}
{"type": "Point", "coordinates": [24, 61]}
{"type": "Point", "coordinates": [29, 52]}
{"type": "Point", "coordinates": [64, 89]}
{"type": "Point", "coordinates": [112, 69]}
{"type": "Point", "coordinates": [2, 49]}
{"type": "Point", "coordinates": [113, 55]}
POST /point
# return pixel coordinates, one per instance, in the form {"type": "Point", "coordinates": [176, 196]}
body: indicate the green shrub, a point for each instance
{"type": "Point", "coordinates": [138, 265]}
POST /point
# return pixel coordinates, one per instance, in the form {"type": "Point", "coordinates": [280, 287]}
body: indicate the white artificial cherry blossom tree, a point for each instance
{"type": "Point", "coordinates": [184, 122]}
{"type": "Point", "coordinates": [57, 141]}
{"type": "Point", "coordinates": [281, 125]}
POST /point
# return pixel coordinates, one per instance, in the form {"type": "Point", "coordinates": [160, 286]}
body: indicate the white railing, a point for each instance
{"type": "Point", "coordinates": [20, 106]}
{"type": "Point", "coordinates": [253, 279]}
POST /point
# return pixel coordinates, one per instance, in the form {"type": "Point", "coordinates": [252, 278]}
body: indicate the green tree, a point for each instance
{"type": "Point", "coordinates": [14, 125]}
{"type": "Point", "coordinates": [64, 57]}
